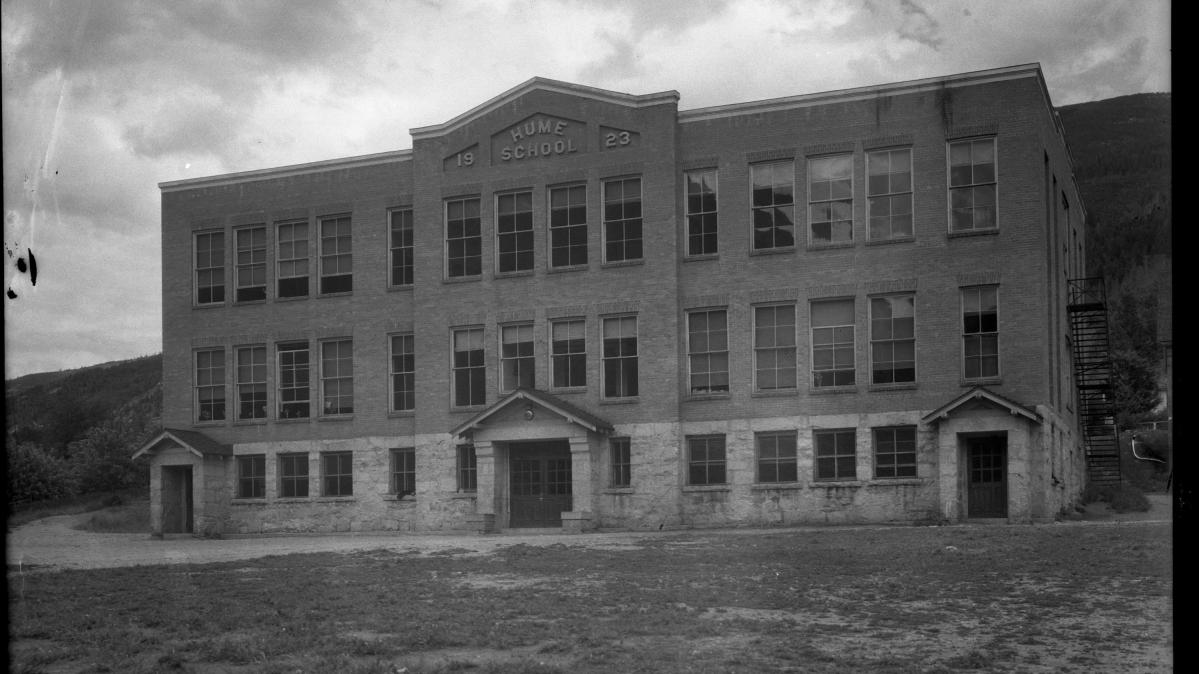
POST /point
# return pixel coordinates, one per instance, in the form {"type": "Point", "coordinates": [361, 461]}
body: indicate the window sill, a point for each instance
{"type": "Point", "coordinates": [620, 401]}
{"type": "Point", "coordinates": [208, 424]}
{"type": "Point", "coordinates": [905, 386]}
{"type": "Point", "coordinates": [973, 232]}
{"type": "Point", "coordinates": [334, 499]}
{"type": "Point", "coordinates": [701, 258]}
{"type": "Point", "coordinates": [773, 486]}
{"type": "Point", "coordinates": [249, 422]}
{"type": "Point", "coordinates": [407, 498]}
{"type": "Point", "coordinates": [706, 487]}
{"type": "Point", "coordinates": [567, 269]}
{"type": "Point", "coordinates": [837, 483]}
{"type": "Point", "coordinates": [335, 418]}
{"type": "Point", "coordinates": [617, 490]}
{"type": "Point", "coordinates": [248, 501]}
{"type": "Point", "coordinates": [571, 390]}
{"type": "Point", "coordinates": [294, 499]}
{"type": "Point", "coordinates": [895, 482]}
{"type": "Point", "coordinates": [464, 495]}
{"type": "Point", "coordinates": [345, 293]}
{"type": "Point", "coordinates": [699, 397]}
{"type": "Point", "coordinates": [297, 298]}
{"type": "Point", "coordinates": [514, 274]}
{"type": "Point", "coordinates": [776, 393]}
{"type": "Point", "coordinates": [623, 263]}
{"type": "Point", "coordinates": [210, 305]}
{"type": "Point", "coordinates": [832, 390]}
{"type": "Point", "coordinates": [983, 381]}
{"type": "Point", "coordinates": [886, 242]}
{"type": "Point", "coordinates": [832, 245]}
{"type": "Point", "coordinates": [400, 289]}
{"type": "Point", "coordinates": [293, 420]}
{"type": "Point", "coordinates": [462, 279]}
{"type": "Point", "coordinates": [782, 250]}
{"type": "Point", "coordinates": [469, 409]}
{"type": "Point", "coordinates": [401, 414]}
{"type": "Point", "coordinates": [242, 303]}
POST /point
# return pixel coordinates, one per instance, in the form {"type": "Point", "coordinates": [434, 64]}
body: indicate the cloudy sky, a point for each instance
{"type": "Point", "coordinates": [104, 100]}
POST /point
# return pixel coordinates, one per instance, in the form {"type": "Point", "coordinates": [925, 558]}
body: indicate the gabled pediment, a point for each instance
{"type": "Point", "coordinates": [197, 443]}
{"type": "Point", "coordinates": [548, 85]}
{"type": "Point", "coordinates": [530, 404]}
{"type": "Point", "coordinates": [979, 398]}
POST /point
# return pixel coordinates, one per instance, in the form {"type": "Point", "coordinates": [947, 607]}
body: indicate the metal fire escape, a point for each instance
{"type": "Point", "coordinates": [1093, 376]}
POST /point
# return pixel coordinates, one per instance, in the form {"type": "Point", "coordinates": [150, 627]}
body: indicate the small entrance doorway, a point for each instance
{"type": "Point", "coordinates": [986, 491]}
{"type": "Point", "coordinates": [540, 483]}
{"type": "Point", "coordinates": [177, 500]}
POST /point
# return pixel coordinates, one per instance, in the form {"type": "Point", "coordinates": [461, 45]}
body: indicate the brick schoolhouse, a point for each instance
{"type": "Point", "coordinates": [577, 308]}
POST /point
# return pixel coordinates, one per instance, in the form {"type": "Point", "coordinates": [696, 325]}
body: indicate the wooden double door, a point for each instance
{"type": "Point", "coordinates": [986, 490]}
{"type": "Point", "coordinates": [540, 483]}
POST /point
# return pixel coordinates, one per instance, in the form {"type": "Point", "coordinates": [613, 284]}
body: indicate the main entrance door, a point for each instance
{"type": "Point", "coordinates": [540, 485]}
{"type": "Point", "coordinates": [986, 493]}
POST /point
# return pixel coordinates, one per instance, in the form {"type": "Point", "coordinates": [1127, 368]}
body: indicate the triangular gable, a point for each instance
{"type": "Point", "coordinates": [556, 405]}
{"type": "Point", "coordinates": [197, 443]}
{"type": "Point", "coordinates": [980, 394]}
{"type": "Point", "coordinates": [544, 84]}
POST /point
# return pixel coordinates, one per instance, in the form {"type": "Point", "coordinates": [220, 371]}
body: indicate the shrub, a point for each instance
{"type": "Point", "coordinates": [35, 474]}
{"type": "Point", "coordinates": [1129, 499]}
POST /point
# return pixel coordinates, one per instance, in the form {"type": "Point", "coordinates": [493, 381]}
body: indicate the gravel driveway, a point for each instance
{"type": "Point", "coordinates": [52, 543]}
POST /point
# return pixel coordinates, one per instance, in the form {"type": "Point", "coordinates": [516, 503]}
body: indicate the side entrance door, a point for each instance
{"type": "Point", "coordinates": [986, 493]}
{"type": "Point", "coordinates": [177, 513]}
{"type": "Point", "coordinates": [540, 484]}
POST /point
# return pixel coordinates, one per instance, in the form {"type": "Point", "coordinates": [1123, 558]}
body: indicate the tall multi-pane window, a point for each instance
{"type": "Point", "coordinates": [337, 377]}
{"type": "Point", "coordinates": [293, 475]}
{"type": "Point", "coordinates": [292, 261]}
{"type": "Point", "coordinates": [830, 198]}
{"type": "Point", "coordinates": [516, 356]}
{"type": "Point", "coordinates": [514, 231]}
{"type": "Point", "coordinates": [620, 357]}
{"type": "Point", "coordinates": [251, 476]}
{"type": "Point", "coordinates": [708, 351]}
{"type": "Point", "coordinates": [706, 460]}
{"type": "Point", "coordinates": [701, 212]}
{"type": "Point", "coordinates": [470, 374]}
{"type": "Point", "coordinates": [337, 474]}
{"type": "Point", "coordinates": [293, 380]}
{"type": "Point", "coordinates": [337, 262]}
{"type": "Point", "coordinates": [568, 345]}
{"type": "Point", "coordinates": [776, 456]}
{"type": "Point", "coordinates": [774, 347]}
{"type": "Point", "coordinates": [568, 226]}
{"type": "Point", "coordinates": [622, 464]}
{"type": "Point", "coordinates": [401, 247]}
{"type": "Point", "coordinates": [403, 373]}
{"type": "Point", "coordinates": [893, 339]}
{"type": "Point", "coordinates": [622, 219]}
{"type": "Point", "coordinates": [889, 193]}
{"type": "Point", "coordinates": [468, 468]}
{"type": "Point", "coordinates": [210, 268]}
{"type": "Point", "coordinates": [972, 183]}
{"type": "Point", "coordinates": [463, 238]}
{"type": "Point", "coordinates": [832, 343]}
{"type": "Point", "coordinates": [980, 332]}
{"type": "Point", "coordinates": [251, 264]}
{"type": "Point", "coordinates": [836, 455]}
{"type": "Point", "coordinates": [403, 471]}
{"type": "Point", "coordinates": [210, 385]}
{"type": "Point", "coordinates": [895, 452]}
{"type": "Point", "coordinates": [251, 382]}
{"type": "Point", "coordinates": [773, 204]}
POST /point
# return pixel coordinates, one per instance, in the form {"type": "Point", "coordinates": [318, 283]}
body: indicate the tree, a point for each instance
{"type": "Point", "coordinates": [1135, 352]}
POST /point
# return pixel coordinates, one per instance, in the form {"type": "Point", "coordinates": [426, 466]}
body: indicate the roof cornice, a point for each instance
{"type": "Point", "coordinates": [286, 171]}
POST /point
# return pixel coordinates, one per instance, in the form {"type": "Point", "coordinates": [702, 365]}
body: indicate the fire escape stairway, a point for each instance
{"type": "Point", "coordinates": [1093, 376]}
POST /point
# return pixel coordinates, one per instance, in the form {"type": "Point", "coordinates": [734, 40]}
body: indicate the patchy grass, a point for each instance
{"type": "Point", "coordinates": [73, 505]}
{"type": "Point", "coordinates": [133, 518]}
{"type": "Point", "coordinates": [908, 599]}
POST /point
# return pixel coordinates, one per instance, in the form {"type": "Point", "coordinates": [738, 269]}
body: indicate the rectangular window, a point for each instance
{"type": "Point", "coordinates": [403, 471]}
{"type": "Point", "coordinates": [470, 375]}
{"type": "Point", "coordinates": [832, 343]}
{"type": "Point", "coordinates": [514, 231]}
{"type": "Point", "coordinates": [293, 380]}
{"type": "Point", "coordinates": [337, 377]}
{"type": "Point", "coordinates": [836, 457]}
{"type": "Point", "coordinates": [293, 475]}
{"type": "Point", "coordinates": [701, 212]}
{"type": "Point", "coordinates": [403, 373]}
{"type": "Point", "coordinates": [251, 476]}
{"type": "Point", "coordinates": [773, 204]}
{"type": "Point", "coordinates": [251, 264]}
{"type": "Point", "coordinates": [620, 357]}
{"type": "Point", "coordinates": [210, 385]}
{"type": "Point", "coordinates": [251, 382]}
{"type": "Point", "coordinates": [568, 343]}
{"type": "Point", "coordinates": [895, 452]}
{"type": "Point", "coordinates": [622, 219]}
{"type": "Point", "coordinates": [830, 198]}
{"type": "Point", "coordinates": [774, 347]}
{"type": "Point", "coordinates": [622, 464]}
{"type": "Point", "coordinates": [705, 460]}
{"type": "Point", "coordinates": [708, 351]}
{"type": "Point", "coordinates": [776, 457]}
{"type": "Point", "coordinates": [889, 193]}
{"type": "Point", "coordinates": [972, 183]}
{"type": "Point", "coordinates": [516, 356]}
{"type": "Point", "coordinates": [401, 247]}
{"type": "Point", "coordinates": [463, 238]}
{"type": "Point", "coordinates": [980, 332]}
{"type": "Point", "coordinates": [337, 263]}
{"type": "Point", "coordinates": [893, 339]}
{"type": "Point", "coordinates": [292, 262]}
{"type": "Point", "coordinates": [467, 468]}
{"type": "Point", "coordinates": [337, 474]}
{"type": "Point", "coordinates": [210, 268]}
{"type": "Point", "coordinates": [568, 226]}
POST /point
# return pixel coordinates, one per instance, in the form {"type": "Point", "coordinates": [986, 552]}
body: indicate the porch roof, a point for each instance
{"type": "Point", "coordinates": [980, 393]}
{"type": "Point", "coordinates": [570, 412]}
{"type": "Point", "coordinates": [197, 443]}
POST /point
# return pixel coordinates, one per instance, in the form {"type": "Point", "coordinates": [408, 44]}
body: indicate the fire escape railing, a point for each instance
{"type": "Point", "coordinates": [1093, 376]}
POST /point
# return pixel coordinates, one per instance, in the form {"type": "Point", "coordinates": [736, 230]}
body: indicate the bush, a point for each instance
{"type": "Point", "coordinates": [35, 474]}
{"type": "Point", "coordinates": [1123, 499]}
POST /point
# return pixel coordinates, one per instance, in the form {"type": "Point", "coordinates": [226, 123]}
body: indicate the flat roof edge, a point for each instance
{"type": "Point", "coordinates": [284, 171]}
